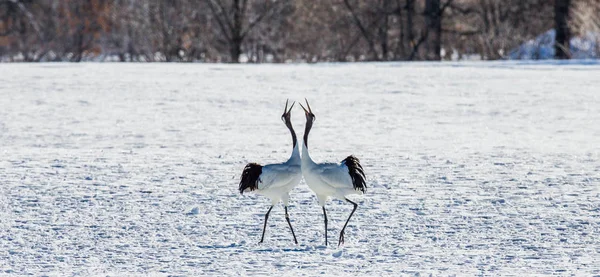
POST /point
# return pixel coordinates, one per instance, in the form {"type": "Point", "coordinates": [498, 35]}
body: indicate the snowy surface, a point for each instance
{"type": "Point", "coordinates": [132, 169]}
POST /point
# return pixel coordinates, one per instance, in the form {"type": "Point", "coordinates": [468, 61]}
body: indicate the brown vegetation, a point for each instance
{"type": "Point", "coordinates": [282, 30]}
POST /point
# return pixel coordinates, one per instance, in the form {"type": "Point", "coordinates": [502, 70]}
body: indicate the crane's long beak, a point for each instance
{"type": "Point", "coordinates": [307, 105]}
{"type": "Point", "coordinates": [285, 110]}
{"type": "Point", "coordinates": [305, 111]}
{"type": "Point", "coordinates": [287, 113]}
{"type": "Point", "coordinates": [309, 111]}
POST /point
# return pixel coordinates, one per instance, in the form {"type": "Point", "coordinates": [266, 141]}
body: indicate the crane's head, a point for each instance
{"type": "Point", "coordinates": [310, 117]}
{"type": "Point", "coordinates": [287, 114]}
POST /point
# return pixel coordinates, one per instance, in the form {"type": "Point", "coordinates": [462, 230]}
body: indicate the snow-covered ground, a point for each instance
{"type": "Point", "coordinates": [132, 169]}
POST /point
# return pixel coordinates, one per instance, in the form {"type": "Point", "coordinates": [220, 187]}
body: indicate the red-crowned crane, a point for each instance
{"type": "Point", "coordinates": [275, 181]}
{"type": "Point", "coordinates": [331, 179]}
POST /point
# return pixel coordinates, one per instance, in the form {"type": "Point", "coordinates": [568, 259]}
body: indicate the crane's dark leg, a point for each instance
{"type": "Point", "coordinates": [325, 214]}
{"type": "Point", "coordinates": [265, 227]}
{"type": "Point", "coordinates": [342, 232]}
{"type": "Point", "coordinates": [287, 217]}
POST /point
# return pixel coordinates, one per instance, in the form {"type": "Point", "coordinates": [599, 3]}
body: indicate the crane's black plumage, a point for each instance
{"type": "Point", "coordinates": [356, 173]}
{"type": "Point", "coordinates": [250, 177]}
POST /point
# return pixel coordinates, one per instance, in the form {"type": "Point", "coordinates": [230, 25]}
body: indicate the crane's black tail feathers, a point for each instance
{"type": "Point", "coordinates": [356, 173]}
{"type": "Point", "coordinates": [250, 177]}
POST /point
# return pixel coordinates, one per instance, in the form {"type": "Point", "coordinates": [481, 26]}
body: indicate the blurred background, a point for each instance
{"type": "Point", "coordinates": [279, 31]}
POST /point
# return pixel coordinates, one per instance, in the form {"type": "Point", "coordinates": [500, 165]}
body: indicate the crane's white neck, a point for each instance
{"type": "Point", "coordinates": [295, 157]}
{"type": "Point", "coordinates": [306, 159]}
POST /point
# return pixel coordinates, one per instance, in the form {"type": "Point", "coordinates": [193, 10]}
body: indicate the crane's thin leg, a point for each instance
{"type": "Point", "coordinates": [325, 214]}
{"type": "Point", "coordinates": [265, 227]}
{"type": "Point", "coordinates": [342, 232]}
{"type": "Point", "coordinates": [287, 217]}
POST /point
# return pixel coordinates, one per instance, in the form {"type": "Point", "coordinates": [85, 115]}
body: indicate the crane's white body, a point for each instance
{"type": "Point", "coordinates": [277, 180]}
{"type": "Point", "coordinates": [331, 179]}
{"type": "Point", "coordinates": [326, 179]}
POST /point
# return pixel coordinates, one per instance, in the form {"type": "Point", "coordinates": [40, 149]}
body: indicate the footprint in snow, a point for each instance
{"type": "Point", "coordinates": [194, 211]}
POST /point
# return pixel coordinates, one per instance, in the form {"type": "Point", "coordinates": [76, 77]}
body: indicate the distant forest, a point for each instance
{"type": "Point", "coordinates": [278, 31]}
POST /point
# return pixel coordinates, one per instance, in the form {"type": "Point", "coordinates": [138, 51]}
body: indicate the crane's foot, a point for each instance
{"type": "Point", "coordinates": [341, 241]}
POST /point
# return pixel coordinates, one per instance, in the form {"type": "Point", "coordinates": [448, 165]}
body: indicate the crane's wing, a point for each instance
{"type": "Point", "coordinates": [335, 175]}
{"type": "Point", "coordinates": [277, 175]}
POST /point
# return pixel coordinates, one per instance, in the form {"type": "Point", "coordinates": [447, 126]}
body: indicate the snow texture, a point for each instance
{"type": "Point", "coordinates": [487, 169]}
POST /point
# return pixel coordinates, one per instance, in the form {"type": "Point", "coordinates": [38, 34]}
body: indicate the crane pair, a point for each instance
{"type": "Point", "coordinates": [325, 179]}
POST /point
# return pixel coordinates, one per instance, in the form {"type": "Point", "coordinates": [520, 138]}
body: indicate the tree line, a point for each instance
{"type": "Point", "coordinates": [284, 30]}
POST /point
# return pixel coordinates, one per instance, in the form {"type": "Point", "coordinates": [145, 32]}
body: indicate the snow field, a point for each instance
{"type": "Point", "coordinates": [487, 169]}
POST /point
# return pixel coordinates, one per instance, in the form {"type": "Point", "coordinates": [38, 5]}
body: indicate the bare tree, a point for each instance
{"type": "Point", "coordinates": [491, 28]}
{"type": "Point", "coordinates": [282, 30]}
{"type": "Point", "coordinates": [434, 10]}
{"type": "Point", "coordinates": [561, 19]}
{"type": "Point", "coordinates": [367, 35]}
{"type": "Point", "coordinates": [21, 23]}
{"type": "Point", "coordinates": [235, 20]}
{"type": "Point", "coordinates": [585, 21]}
{"type": "Point", "coordinates": [414, 43]}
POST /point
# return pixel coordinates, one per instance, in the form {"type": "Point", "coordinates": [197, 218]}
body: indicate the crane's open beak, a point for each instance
{"type": "Point", "coordinates": [307, 105]}
{"type": "Point", "coordinates": [286, 112]}
{"type": "Point", "coordinates": [309, 111]}
{"type": "Point", "coordinates": [305, 111]}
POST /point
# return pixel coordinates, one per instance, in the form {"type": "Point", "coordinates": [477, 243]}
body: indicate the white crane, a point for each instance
{"type": "Point", "coordinates": [331, 179]}
{"type": "Point", "coordinates": [275, 181]}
